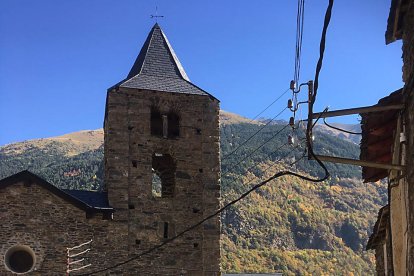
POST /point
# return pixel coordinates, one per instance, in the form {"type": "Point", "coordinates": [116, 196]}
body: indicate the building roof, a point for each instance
{"type": "Point", "coordinates": [91, 202]}
{"type": "Point", "coordinates": [157, 68]}
{"type": "Point", "coordinates": [378, 137]}
{"type": "Point", "coordinates": [97, 200]}
{"type": "Point", "coordinates": [395, 22]}
{"type": "Point", "coordinates": [380, 228]}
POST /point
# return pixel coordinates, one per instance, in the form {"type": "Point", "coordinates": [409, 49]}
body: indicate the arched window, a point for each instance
{"type": "Point", "coordinates": [163, 175]}
{"type": "Point", "coordinates": [167, 126]}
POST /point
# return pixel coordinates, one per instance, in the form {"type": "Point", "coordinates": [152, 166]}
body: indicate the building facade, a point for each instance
{"type": "Point", "coordinates": [393, 234]}
{"type": "Point", "coordinates": [162, 175]}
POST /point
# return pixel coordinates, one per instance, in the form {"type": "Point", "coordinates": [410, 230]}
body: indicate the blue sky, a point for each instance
{"type": "Point", "coordinates": [57, 58]}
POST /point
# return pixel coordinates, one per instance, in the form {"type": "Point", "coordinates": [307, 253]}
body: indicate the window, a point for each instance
{"type": "Point", "coordinates": [163, 175]}
{"type": "Point", "coordinates": [19, 259]}
{"type": "Point", "coordinates": [165, 230]}
{"type": "Point", "coordinates": [156, 122]}
{"type": "Point", "coordinates": [156, 184]}
{"type": "Point", "coordinates": [173, 125]}
{"type": "Point", "coordinates": [167, 126]}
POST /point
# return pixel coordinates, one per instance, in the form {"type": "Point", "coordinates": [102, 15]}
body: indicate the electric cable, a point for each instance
{"type": "Point", "coordinates": [341, 129]}
{"type": "Point", "coordinates": [254, 134]}
{"type": "Point", "coordinates": [279, 159]}
{"type": "Point", "coordinates": [296, 161]}
{"type": "Point", "coordinates": [268, 167]}
{"type": "Point", "coordinates": [257, 148]}
{"type": "Point", "coordinates": [300, 16]}
{"type": "Point", "coordinates": [322, 48]}
{"type": "Point", "coordinates": [272, 103]}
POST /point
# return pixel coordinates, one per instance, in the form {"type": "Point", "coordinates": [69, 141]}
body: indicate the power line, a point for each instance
{"type": "Point", "coordinates": [312, 99]}
{"type": "Point", "coordinates": [279, 159]}
{"type": "Point", "coordinates": [300, 18]}
{"type": "Point", "coordinates": [322, 48]}
{"type": "Point", "coordinates": [254, 134]}
{"type": "Point", "coordinates": [340, 129]}
{"type": "Point", "coordinates": [274, 161]}
{"type": "Point", "coordinates": [271, 120]}
{"type": "Point", "coordinates": [259, 147]}
{"type": "Point", "coordinates": [272, 103]}
{"type": "Point", "coordinates": [254, 165]}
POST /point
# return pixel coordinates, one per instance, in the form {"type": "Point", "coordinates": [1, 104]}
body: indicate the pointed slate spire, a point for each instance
{"type": "Point", "coordinates": [158, 68]}
{"type": "Point", "coordinates": [157, 57]}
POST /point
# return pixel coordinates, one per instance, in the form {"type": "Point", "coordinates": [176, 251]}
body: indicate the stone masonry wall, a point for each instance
{"type": "Point", "coordinates": [379, 259]}
{"type": "Point", "coordinates": [46, 223]}
{"type": "Point", "coordinates": [408, 77]}
{"type": "Point", "coordinates": [129, 147]}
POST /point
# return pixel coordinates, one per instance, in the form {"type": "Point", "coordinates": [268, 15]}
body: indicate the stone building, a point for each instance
{"type": "Point", "coordinates": [162, 175]}
{"type": "Point", "coordinates": [393, 234]}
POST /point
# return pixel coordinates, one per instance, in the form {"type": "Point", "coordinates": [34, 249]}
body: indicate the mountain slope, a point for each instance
{"type": "Point", "coordinates": [354, 138]}
{"type": "Point", "coordinates": [289, 225]}
{"type": "Point", "coordinates": [72, 161]}
{"type": "Point", "coordinates": [227, 118]}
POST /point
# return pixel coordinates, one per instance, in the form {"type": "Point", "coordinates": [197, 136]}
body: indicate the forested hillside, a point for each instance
{"type": "Point", "coordinates": [290, 225]}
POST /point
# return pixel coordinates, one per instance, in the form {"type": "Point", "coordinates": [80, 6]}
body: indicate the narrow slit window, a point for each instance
{"type": "Point", "coordinates": [165, 126]}
{"type": "Point", "coordinates": [156, 122]}
{"type": "Point", "coordinates": [163, 175]}
{"type": "Point", "coordinates": [165, 230]}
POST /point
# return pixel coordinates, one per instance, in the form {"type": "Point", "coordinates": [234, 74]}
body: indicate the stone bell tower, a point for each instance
{"type": "Point", "coordinates": [162, 165]}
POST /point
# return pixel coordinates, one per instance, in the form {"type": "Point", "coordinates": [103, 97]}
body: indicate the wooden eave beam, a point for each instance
{"type": "Point", "coordinates": [361, 163]}
{"type": "Point", "coordinates": [357, 110]}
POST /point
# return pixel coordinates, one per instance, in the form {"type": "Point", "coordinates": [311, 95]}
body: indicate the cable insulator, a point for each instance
{"type": "Point", "coordinates": [292, 121]}
{"type": "Point", "coordinates": [290, 104]}
{"type": "Point", "coordinates": [292, 85]}
{"type": "Point", "coordinates": [291, 140]}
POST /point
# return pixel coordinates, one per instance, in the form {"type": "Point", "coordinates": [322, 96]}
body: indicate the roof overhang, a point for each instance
{"type": "Point", "coordinates": [29, 178]}
{"type": "Point", "coordinates": [378, 130]}
{"type": "Point", "coordinates": [380, 228]}
{"type": "Point", "coordinates": [395, 23]}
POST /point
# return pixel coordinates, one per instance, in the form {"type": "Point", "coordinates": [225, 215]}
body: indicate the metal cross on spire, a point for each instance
{"type": "Point", "coordinates": [156, 16]}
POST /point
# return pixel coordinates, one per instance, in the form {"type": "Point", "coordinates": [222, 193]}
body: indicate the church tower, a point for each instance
{"type": "Point", "coordinates": [162, 164]}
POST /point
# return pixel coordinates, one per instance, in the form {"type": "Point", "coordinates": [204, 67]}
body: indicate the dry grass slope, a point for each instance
{"type": "Point", "coordinates": [74, 143]}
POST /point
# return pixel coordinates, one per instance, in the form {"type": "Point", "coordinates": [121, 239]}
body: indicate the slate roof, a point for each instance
{"type": "Point", "coordinates": [158, 68]}
{"type": "Point", "coordinates": [379, 231]}
{"type": "Point", "coordinates": [90, 202]}
{"type": "Point", "coordinates": [377, 137]}
{"type": "Point", "coordinates": [97, 200]}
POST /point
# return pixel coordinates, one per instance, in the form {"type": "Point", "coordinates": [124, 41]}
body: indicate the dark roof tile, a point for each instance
{"type": "Point", "coordinates": [85, 200]}
{"type": "Point", "coordinates": [97, 200]}
{"type": "Point", "coordinates": [157, 68]}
